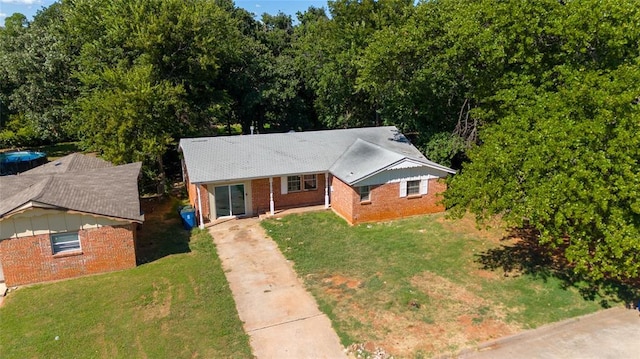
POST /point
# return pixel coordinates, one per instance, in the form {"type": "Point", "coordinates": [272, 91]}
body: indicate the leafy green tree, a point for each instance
{"type": "Point", "coordinates": [130, 117]}
{"type": "Point", "coordinates": [566, 164]}
{"type": "Point", "coordinates": [328, 51]}
{"type": "Point", "coordinates": [436, 74]}
{"type": "Point", "coordinates": [36, 63]}
{"type": "Point", "coordinates": [151, 72]}
{"type": "Point", "coordinates": [287, 101]}
{"type": "Point", "coordinates": [268, 93]}
{"type": "Point", "coordinates": [188, 43]}
{"type": "Point", "coordinates": [558, 150]}
{"type": "Point", "coordinates": [15, 26]}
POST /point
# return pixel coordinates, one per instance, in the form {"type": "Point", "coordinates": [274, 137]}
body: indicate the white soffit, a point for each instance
{"type": "Point", "coordinates": [405, 164]}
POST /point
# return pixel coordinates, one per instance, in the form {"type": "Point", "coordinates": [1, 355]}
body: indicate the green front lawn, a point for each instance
{"type": "Point", "coordinates": [176, 306]}
{"type": "Point", "coordinates": [416, 287]}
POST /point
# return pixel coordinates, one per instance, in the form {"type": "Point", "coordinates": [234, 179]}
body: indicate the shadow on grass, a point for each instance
{"type": "Point", "coordinates": [527, 256]}
{"type": "Point", "coordinates": [162, 233]}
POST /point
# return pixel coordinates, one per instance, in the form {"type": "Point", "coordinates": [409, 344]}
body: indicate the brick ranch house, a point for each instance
{"type": "Point", "coordinates": [363, 174]}
{"type": "Point", "coordinates": [70, 217]}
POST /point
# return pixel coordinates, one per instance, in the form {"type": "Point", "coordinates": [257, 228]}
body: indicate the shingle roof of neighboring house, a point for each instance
{"type": "Point", "coordinates": [213, 159]}
{"type": "Point", "coordinates": [78, 183]}
{"type": "Point", "coordinates": [74, 162]}
{"type": "Point", "coordinates": [363, 159]}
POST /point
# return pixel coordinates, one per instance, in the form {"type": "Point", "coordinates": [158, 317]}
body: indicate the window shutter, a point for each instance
{"type": "Point", "coordinates": [283, 185]}
{"type": "Point", "coordinates": [403, 188]}
{"type": "Point", "coordinates": [424, 186]}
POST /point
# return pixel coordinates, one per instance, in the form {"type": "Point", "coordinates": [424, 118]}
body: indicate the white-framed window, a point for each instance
{"type": "Point", "coordinates": [65, 242]}
{"type": "Point", "coordinates": [365, 193]}
{"type": "Point", "coordinates": [310, 182]}
{"type": "Point", "coordinates": [299, 183]}
{"type": "Point", "coordinates": [413, 188]}
{"type": "Point", "coordinates": [293, 183]}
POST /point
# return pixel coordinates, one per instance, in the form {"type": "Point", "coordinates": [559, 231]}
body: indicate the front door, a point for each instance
{"type": "Point", "coordinates": [229, 200]}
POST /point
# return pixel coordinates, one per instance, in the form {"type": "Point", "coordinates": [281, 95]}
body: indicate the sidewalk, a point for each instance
{"type": "Point", "coordinates": [611, 333]}
{"type": "Point", "coordinates": [281, 318]}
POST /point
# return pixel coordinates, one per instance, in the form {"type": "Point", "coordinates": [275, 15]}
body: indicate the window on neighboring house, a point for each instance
{"type": "Point", "coordinates": [365, 194]}
{"type": "Point", "coordinates": [293, 183]}
{"type": "Point", "coordinates": [65, 242]}
{"type": "Point", "coordinates": [310, 182]}
{"type": "Point", "coordinates": [413, 188]}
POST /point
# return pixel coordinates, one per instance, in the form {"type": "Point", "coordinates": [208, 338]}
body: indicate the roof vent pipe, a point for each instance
{"type": "Point", "coordinates": [251, 128]}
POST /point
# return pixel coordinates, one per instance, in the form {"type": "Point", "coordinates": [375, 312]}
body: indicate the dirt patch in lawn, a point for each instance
{"type": "Point", "coordinates": [339, 287]}
{"type": "Point", "coordinates": [451, 318]}
{"type": "Point", "coordinates": [339, 281]}
{"type": "Point", "coordinates": [478, 318]}
{"type": "Point", "coordinates": [487, 274]}
{"type": "Point", "coordinates": [467, 225]}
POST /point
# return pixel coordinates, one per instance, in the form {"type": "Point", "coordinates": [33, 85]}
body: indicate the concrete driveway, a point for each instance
{"type": "Point", "coordinates": [280, 316]}
{"type": "Point", "coordinates": [613, 333]}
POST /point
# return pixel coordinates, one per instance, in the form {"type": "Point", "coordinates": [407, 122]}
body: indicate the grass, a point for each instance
{"type": "Point", "coordinates": [415, 287]}
{"type": "Point", "coordinates": [58, 150]}
{"type": "Point", "coordinates": [178, 305]}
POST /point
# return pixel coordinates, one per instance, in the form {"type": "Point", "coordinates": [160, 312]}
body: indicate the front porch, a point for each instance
{"type": "Point", "coordinates": [277, 214]}
{"type": "Point", "coordinates": [220, 201]}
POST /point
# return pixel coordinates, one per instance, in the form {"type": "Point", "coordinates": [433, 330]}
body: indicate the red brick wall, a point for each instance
{"type": "Point", "coordinates": [386, 202]}
{"type": "Point", "coordinates": [343, 198]}
{"type": "Point", "coordinates": [260, 194]}
{"type": "Point", "coordinates": [193, 200]}
{"type": "Point", "coordinates": [28, 260]}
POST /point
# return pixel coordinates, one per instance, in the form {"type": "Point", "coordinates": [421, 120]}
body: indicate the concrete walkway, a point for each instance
{"type": "Point", "coordinates": [280, 316]}
{"type": "Point", "coordinates": [612, 333]}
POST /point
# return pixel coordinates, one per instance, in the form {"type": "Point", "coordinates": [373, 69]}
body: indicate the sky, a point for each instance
{"type": "Point", "coordinates": [258, 7]}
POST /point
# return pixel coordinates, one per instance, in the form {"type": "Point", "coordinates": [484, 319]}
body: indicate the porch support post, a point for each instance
{"type": "Point", "coordinates": [200, 207]}
{"type": "Point", "coordinates": [326, 190]}
{"type": "Point", "coordinates": [271, 204]}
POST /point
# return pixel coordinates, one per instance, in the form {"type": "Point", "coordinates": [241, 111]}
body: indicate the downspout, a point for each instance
{"type": "Point", "coordinates": [271, 204]}
{"type": "Point", "coordinates": [200, 207]}
{"type": "Point", "coordinates": [326, 190]}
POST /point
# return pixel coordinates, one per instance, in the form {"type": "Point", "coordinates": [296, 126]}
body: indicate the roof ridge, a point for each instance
{"type": "Point", "coordinates": [23, 196]}
{"type": "Point", "coordinates": [202, 139]}
{"type": "Point", "coordinates": [45, 183]}
{"type": "Point", "coordinates": [365, 142]}
{"type": "Point", "coordinates": [73, 158]}
{"type": "Point", "coordinates": [372, 147]}
{"type": "Point", "coordinates": [425, 161]}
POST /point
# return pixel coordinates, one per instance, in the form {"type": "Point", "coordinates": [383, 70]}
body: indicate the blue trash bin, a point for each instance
{"type": "Point", "coordinates": [188, 215]}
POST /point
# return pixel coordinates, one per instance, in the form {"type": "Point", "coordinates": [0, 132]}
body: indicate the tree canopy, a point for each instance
{"type": "Point", "coordinates": [560, 154]}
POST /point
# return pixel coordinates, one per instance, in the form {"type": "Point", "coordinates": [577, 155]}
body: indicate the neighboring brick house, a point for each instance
{"type": "Point", "coordinates": [363, 174]}
{"type": "Point", "coordinates": [70, 217]}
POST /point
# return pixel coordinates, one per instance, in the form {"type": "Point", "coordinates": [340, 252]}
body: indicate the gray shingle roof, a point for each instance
{"type": "Point", "coordinates": [79, 183]}
{"type": "Point", "coordinates": [214, 159]}
{"type": "Point", "coordinates": [363, 159]}
{"type": "Point", "coordinates": [74, 162]}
